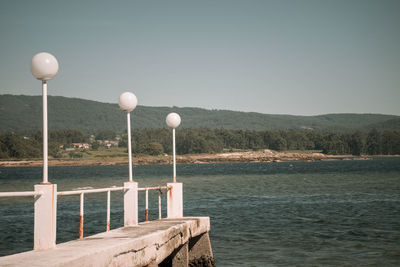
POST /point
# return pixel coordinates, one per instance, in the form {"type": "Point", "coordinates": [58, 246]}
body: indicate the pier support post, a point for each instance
{"type": "Point", "coordinates": [180, 257]}
{"type": "Point", "coordinates": [130, 204]}
{"type": "Point", "coordinates": [45, 217]}
{"type": "Point", "coordinates": [175, 201]}
{"type": "Point", "coordinates": [200, 249]}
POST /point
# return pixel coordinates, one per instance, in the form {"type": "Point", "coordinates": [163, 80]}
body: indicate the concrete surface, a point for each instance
{"type": "Point", "coordinates": [45, 220]}
{"type": "Point", "coordinates": [147, 244]}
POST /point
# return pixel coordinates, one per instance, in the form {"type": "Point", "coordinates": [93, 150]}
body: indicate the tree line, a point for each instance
{"type": "Point", "coordinates": [193, 141]}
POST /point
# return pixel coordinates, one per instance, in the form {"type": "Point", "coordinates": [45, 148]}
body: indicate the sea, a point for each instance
{"type": "Point", "coordinates": [322, 213]}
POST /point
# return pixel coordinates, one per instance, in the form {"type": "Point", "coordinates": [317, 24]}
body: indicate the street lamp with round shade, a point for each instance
{"type": "Point", "coordinates": [127, 102]}
{"type": "Point", "coordinates": [44, 67]}
{"type": "Point", "coordinates": [173, 120]}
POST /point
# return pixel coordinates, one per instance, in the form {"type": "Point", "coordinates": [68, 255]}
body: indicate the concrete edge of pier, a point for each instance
{"type": "Point", "coordinates": [166, 242]}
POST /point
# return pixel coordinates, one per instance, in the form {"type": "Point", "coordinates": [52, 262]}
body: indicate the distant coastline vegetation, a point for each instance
{"type": "Point", "coordinates": [107, 143]}
{"type": "Point", "coordinates": [84, 128]}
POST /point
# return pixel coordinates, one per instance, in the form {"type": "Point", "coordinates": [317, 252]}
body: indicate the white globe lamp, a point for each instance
{"type": "Point", "coordinates": [173, 120]}
{"type": "Point", "coordinates": [127, 101]}
{"type": "Point", "coordinates": [44, 66]}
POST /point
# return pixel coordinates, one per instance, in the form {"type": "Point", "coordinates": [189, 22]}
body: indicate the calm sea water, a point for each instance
{"type": "Point", "coordinates": [262, 214]}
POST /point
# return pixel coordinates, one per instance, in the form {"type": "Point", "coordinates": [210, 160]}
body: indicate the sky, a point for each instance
{"type": "Point", "coordinates": [299, 57]}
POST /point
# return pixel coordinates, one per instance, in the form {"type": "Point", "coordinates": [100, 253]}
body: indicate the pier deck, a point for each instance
{"type": "Point", "coordinates": [166, 242]}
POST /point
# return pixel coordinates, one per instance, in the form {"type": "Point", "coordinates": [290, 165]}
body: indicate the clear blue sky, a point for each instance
{"type": "Point", "coordinates": [279, 57]}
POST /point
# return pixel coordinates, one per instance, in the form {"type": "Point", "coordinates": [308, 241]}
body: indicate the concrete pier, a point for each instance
{"type": "Point", "coordinates": [166, 242]}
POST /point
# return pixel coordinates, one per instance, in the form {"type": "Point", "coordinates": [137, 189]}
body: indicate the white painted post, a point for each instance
{"type": "Point", "coordinates": [175, 193]}
{"type": "Point", "coordinates": [175, 201]}
{"type": "Point", "coordinates": [45, 222]}
{"type": "Point", "coordinates": [45, 153]}
{"type": "Point", "coordinates": [174, 152]}
{"type": "Point", "coordinates": [128, 119]}
{"type": "Point", "coordinates": [127, 102]}
{"type": "Point", "coordinates": [44, 67]}
{"type": "Point", "coordinates": [131, 204]}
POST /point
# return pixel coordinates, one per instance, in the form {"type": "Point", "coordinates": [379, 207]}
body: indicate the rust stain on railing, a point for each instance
{"type": "Point", "coordinates": [108, 209]}
{"type": "Point", "coordinates": [53, 202]}
{"type": "Point", "coordinates": [159, 205]}
{"type": "Point", "coordinates": [81, 227]}
{"type": "Point", "coordinates": [81, 217]}
{"type": "Point", "coordinates": [147, 204]}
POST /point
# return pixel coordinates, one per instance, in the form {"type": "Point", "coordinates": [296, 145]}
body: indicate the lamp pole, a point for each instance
{"type": "Point", "coordinates": [173, 120]}
{"type": "Point", "coordinates": [45, 135]}
{"type": "Point", "coordinates": [128, 123]}
{"type": "Point", "coordinates": [127, 102]}
{"type": "Point", "coordinates": [44, 67]}
{"type": "Point", "coordinates": [174, 153]}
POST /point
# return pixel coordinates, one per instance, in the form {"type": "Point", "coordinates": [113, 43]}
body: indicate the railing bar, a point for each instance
{"type": "Point", "coordinates": [20, 194]}
{"type": "Point", "coordinates": [159, 205]}
{"type": "Point", "coordinates": [88, 191]}
{"type": "Point", "coordinates": [81, 217]}
{"type": "Point", "coordinates": [77, 192]}
{"type": "Point", "coordinates": [153, 188]}
{"type": "Point", "coordinates": [147, 205]}
{"type": "Point", "coordinates": [108, 210]}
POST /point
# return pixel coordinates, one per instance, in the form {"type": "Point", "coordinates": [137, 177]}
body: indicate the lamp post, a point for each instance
{"type": "Point", "coordinates": [44, 67]}
{"type": "Point", "coordinates": [127, 102]}
{"type": "Point", "coordinates": [175, 195]}
{"type": "Point", "coordinates": [173, 120]}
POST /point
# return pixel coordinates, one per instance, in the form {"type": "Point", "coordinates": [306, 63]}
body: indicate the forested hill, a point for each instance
{"type": "Point", "coordinates": [24, 113]}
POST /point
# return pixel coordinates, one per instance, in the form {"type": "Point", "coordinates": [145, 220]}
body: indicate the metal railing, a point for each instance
{"type": "Point", "coordinates": [45, 209]}
{"type": "Point", "coordinates": [82, 196]}
{"type": "Point", "coordinates": [20, 194]}
{"type": "Point", "coordinates": [98, 190]}
{"type": "Point", "coordinates": [159, 188]}
{"type": "Point", "coordinates": [108, 190]}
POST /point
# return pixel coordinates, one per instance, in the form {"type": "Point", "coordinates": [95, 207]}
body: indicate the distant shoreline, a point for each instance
{"type": "Point", "coordinates": [234, 157]}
